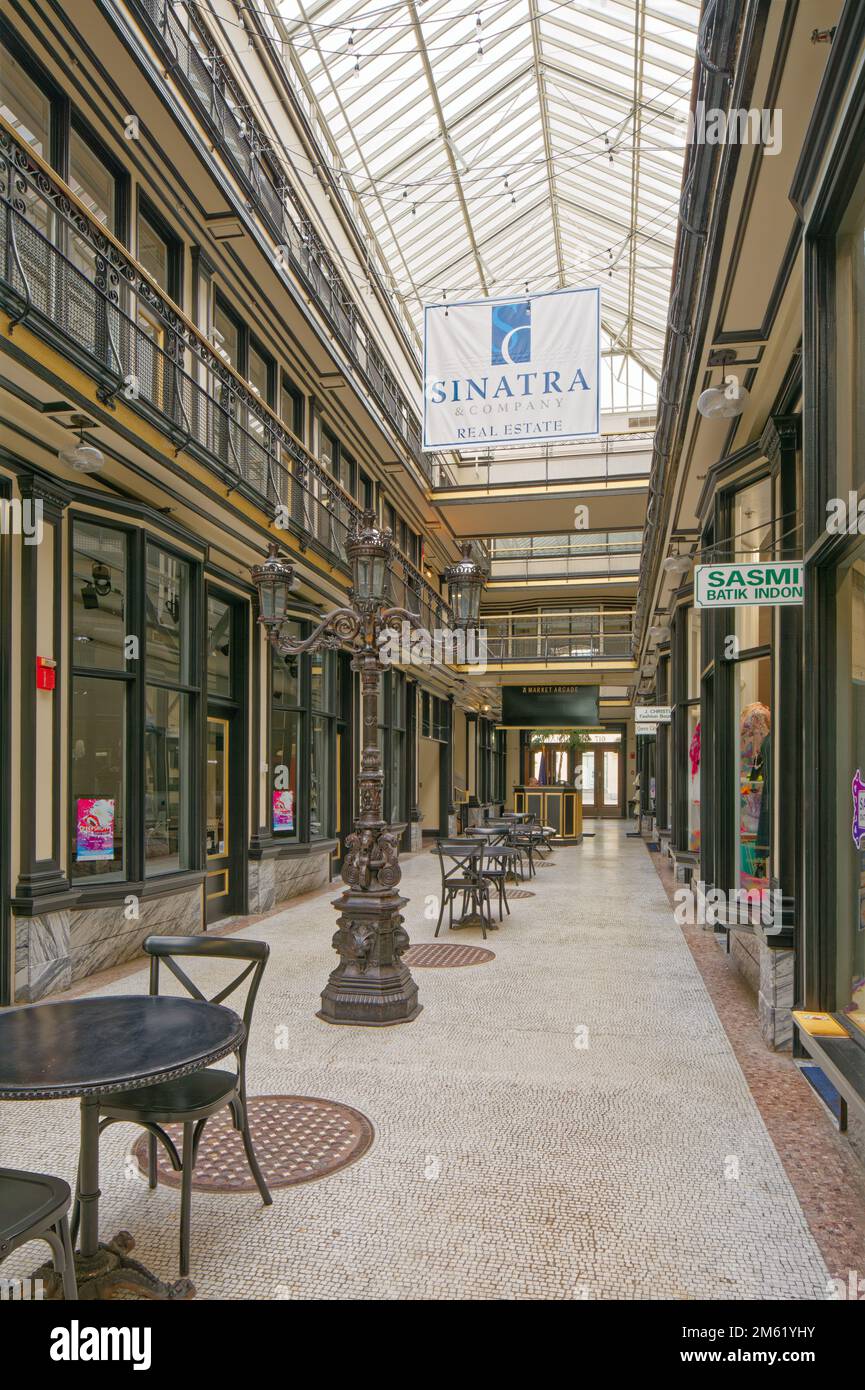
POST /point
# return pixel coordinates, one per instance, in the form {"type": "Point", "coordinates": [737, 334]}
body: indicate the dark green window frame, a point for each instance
{"type": "Point", "coordinates": [133, 674]}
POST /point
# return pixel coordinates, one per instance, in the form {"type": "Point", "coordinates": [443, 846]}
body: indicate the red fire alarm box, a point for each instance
{"type": "Point", "coordinates": [46, 673]}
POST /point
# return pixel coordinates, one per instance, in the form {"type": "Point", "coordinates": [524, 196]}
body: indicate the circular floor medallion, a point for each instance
{"type": "Point", "coordinates": [434, 953]}
{"type": "Point", "coordinates": [297, 1139]}
{"type": "Point", "coordinates": [520, 893]}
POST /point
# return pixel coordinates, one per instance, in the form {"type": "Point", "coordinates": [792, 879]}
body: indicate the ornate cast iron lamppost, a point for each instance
{"type": "Point", "coordinates": [371, 984]}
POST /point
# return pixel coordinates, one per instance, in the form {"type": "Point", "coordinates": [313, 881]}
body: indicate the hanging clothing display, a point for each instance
{"type": "Point", "coordinates": [754, 750]}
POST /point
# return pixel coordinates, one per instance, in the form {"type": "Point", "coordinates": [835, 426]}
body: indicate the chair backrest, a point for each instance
{"type": "Point", "coordinates": [165, 948]}
{"type": "Point", "coordinates": [464, 857]}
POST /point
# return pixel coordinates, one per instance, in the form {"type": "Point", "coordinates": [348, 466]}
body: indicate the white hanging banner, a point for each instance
{"type": "Point", "coordinates": [512, 371]}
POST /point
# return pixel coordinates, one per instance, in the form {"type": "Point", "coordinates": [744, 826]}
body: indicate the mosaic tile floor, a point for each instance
{"type": "Point", "coordinates": [568, 1122]}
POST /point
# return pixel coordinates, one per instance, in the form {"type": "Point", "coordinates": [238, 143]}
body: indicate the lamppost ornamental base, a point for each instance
{"type": "Point", "coordinates": [370, 987]}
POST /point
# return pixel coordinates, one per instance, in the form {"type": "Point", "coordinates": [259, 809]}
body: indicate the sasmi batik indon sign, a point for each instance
{"type": "Point", "coordinates": [512, 371]}
{"type": "Point", "coordinates": [732, 586]}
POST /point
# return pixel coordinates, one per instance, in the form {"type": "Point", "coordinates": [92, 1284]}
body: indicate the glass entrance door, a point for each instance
{"type": "Point", "coordinates": [602, 775]}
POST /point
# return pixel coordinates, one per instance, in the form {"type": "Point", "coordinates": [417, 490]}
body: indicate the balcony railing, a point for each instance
{"type": "Point", "coordinates": [72, 282]}
{"type": "Point", "coordinates": [582, 636]}
{"type": "Point", "coordinates": [193, 59]}
{"type": "Point", "coordinates": [608, 457]}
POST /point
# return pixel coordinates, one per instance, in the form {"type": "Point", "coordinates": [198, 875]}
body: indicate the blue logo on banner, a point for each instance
{"type": "Point", "coordinates": [512, 333]}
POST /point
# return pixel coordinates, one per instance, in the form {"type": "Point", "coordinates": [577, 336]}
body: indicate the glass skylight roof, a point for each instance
{"type": "Point", "coordinates": [512, 144]}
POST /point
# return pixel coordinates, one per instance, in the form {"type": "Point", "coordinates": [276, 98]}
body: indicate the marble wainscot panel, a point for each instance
{"type": "Point", "coordinates": [274, 880]}
{"type": "Point", "coordinates": [42, 963]}
{"type": "Point", "coordinates": [100, 937]}
{"type": "Point", "coordinates": [775, 1000]}
{"type": "Point", "coordinates": [769, 974]}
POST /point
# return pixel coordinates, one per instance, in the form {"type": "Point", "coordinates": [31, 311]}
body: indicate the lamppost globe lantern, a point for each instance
{"type": "Point", "coordinates": [369, 551]}
{"type": "Point", "coordinates": [466, 581]}
{"type": "Point", "coordinates": [274, 580]}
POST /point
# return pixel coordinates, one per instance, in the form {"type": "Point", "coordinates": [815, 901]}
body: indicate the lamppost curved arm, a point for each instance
{"type": "Point", "coordinates": [338, 629]}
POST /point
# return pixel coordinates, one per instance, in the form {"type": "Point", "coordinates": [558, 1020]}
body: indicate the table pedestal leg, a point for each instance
{"type": "Point", "coordinates": [105, 1271]}
{"type": "Point", "coordinates": [88, 1176]}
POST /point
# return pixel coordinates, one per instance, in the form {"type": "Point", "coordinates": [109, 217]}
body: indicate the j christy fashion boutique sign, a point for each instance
{"type": "Point", "coordinates": [512, 371]}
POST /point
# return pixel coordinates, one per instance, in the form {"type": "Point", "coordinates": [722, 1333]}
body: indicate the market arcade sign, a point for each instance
{"type": "Point", "coordinates": [735, 586]}
{"type": "Point", "coordinates": [549, 706]}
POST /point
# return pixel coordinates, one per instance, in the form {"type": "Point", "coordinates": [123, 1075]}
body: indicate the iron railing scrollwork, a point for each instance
{"type": "Point", "coordinates": [67, 279]}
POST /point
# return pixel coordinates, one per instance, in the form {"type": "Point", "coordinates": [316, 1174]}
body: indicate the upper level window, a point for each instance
{"type": "Point", "coordinates": [159, 252]}
{"type": "Point", "coordinates": [226, 333]}
{"type": "Point", "coordinates": [24, 105]}
{"type": "Point", "coordinates": [291, 407]}
{"type": "Point", "coordinates": [329, 448]}
{"type": "Point", "coordinates": [260, 373]}
{"type": "Point", "coordinates": [347, 471]}
{"type": "Point", "coordinates": [93, 180]}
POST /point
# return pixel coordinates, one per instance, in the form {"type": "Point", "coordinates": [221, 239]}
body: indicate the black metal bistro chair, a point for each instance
{"type": "Point", "coordinates": [525, 841]}
{"type": "Point", "coordinates": [494, 867]}
{"type": "Point", "coordinates": [460, 862]}
{"type": "Point", "coordinates": [545, 835]}
{"type": "Point", "coordinates": [191, 1100]}
{"type": "Point", "coordinates": [34, 1206]}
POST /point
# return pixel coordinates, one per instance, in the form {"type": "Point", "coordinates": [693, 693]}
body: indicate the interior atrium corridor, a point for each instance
{"type": "Point", "coordinates": [566, 1121]}
{"type": "Point", "coordinates": [432, 670]}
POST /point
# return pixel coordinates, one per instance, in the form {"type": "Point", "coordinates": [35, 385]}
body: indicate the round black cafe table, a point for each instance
{"type": "Point", "coordinates": [92, 1047]}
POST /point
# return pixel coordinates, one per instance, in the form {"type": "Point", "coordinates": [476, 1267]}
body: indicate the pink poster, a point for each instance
{"type": "Point", "coordinates": [283, 810]}
{"type": "Point", "coordinates": [94, 828]}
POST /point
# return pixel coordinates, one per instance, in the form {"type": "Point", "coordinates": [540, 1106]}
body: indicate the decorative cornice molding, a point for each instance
{"type": "Point", "coordinates": [782, 432]}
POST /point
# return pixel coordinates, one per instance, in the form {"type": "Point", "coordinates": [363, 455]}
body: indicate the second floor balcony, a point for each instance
{"type": "Point", "coordinates": [73, 284]}
{"type": "Point", "coordinates": [598, 636]}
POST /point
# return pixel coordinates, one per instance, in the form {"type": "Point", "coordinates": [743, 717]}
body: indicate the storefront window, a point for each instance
{"type": "Point", "coordinates": [753, 684]}
{"type": "Point", "coordinates": [850, 308]}
{"type": "Point", "coordinates": [284, 740]}
{"type": "Point", "coordinates": [689, 712]}
{"type": "Point", "coordinates": [106, 733]}
{"type": "Point", "coordinates": [166, 780]}
{"type": "Point", "coordinates": [218, 646]}
{"type": "Point", "coordinates": [753, 540]}
{"type": "Point", "coordinates": [850, 981]}
{"type": "Point", "coordinates": [167, 767]}
{"type": "Point", "coordinates": [695, 618]}
{"type": "Point", "coordinates": [98, 731]}
{"type": "Point", "coordinates": [97, 780]}
{"type": "Point", "coordinates": [169, 649]}
{"type": "Point", "coordinates": [319, 778]}
{"type": "Point", "coordinates": [285, 735]}
{"type": "Point", "coordinates": [98, 597]}
{"type": "Point", "coordinates": [397, 807]}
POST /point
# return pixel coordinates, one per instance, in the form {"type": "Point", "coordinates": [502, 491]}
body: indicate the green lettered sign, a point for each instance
{"type": "Point", "coordinates": [734, 586]}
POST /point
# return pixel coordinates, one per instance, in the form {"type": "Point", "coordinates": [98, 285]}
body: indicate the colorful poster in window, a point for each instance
{"type": "Point", "coordinates": [283, 810]}
{"type": "Point", "coordinates": [94, 828]}
{"type": "Point", "coordinates": [858, 789]}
